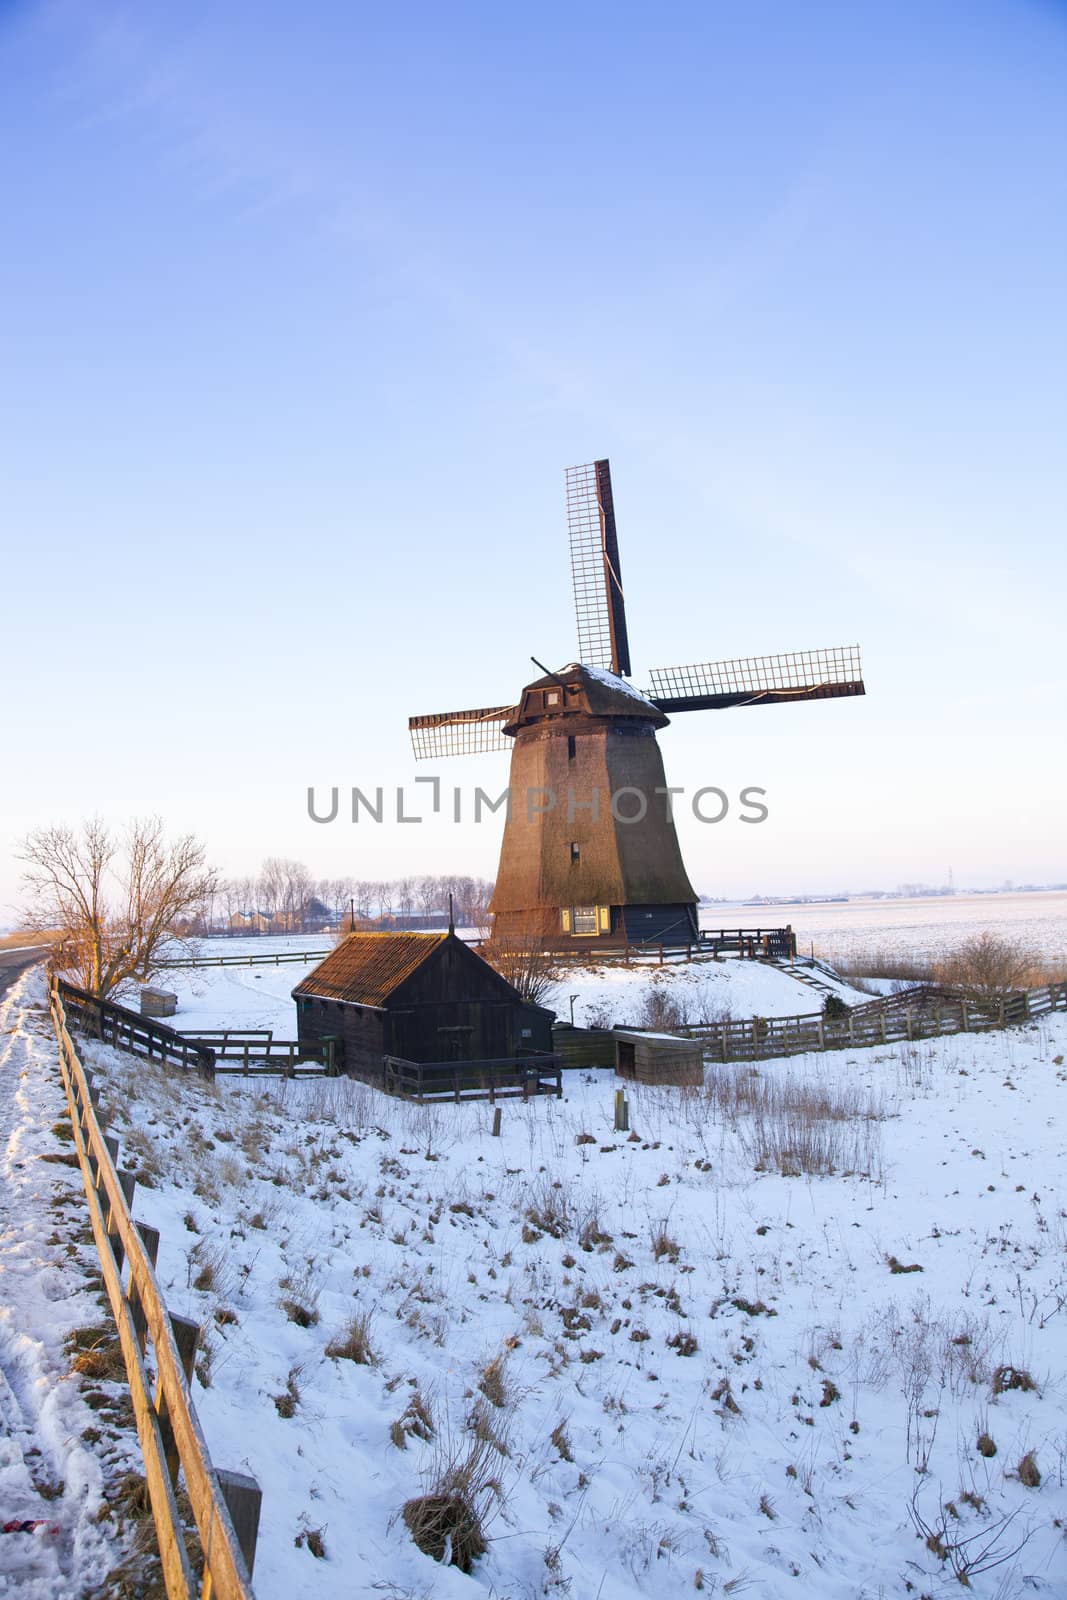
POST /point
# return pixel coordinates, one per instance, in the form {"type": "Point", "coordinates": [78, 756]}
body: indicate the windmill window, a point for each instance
{"type": "Point", "coordinates": [584, 919]}
{"type": "Point", "coordinates": [551, 697]}
{"type": "Point", "coordinates": [572, 747]}
{"type": "Point", "coordinates": [576, 852]}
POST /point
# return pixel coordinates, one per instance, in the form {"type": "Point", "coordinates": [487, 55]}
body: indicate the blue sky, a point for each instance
{"type": "Point", "coordinates": [303, 313]}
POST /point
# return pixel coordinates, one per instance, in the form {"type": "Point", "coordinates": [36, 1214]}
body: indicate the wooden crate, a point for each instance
{"type": "Point", "coordinates": [158, 1003]}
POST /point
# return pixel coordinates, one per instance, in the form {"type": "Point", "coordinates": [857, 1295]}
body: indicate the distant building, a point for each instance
{"type": "Point", "coordinates": [249, 922]}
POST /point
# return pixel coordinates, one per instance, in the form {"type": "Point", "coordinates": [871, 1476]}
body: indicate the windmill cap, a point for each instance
{"type": "Point", "coordinates": [593, 691]}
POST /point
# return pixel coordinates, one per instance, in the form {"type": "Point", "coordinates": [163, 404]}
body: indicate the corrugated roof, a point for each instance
{"type": "Point", "coordinates": [367, 967]}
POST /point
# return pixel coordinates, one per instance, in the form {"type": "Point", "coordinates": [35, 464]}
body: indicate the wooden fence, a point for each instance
{"type": "Point", "coordinates": [277, 958]}
{"type": "Point", "coordinates": [225, 1505]}
{"type": "Point", "coordinates": [281, 1058]}
{"type": "Point", "coordinates": [753, 944]}
{"type": "Point", "coordinates": [253, 1052]}
{"type": "Point", "coordinates": [128, 1030]}
{"type": "Point", "coordinates": [920, 1013]}
{"type": "Point", "coordinates": [504, 1078]}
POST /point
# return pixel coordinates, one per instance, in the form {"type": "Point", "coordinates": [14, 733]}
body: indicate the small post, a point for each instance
{"type": "Point", "coordinates": [622, 1112]}
{"type": "Point", "coordinates": [186, 1337]}
{"type": "Point", "coordinates": [496, 1123]}
{"type": "Point", "coordinates": [963, 1015]}
{"type": "Point", "coordinates": [150, 1239]}
{"type": "Point", "coordinates": [243, 1498]}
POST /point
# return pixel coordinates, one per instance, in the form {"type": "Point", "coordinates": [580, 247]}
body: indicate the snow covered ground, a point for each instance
{"type": "Point", "coordinates": [659, 1364]}
{"type": "Point", "coordinates": [59, 1458]}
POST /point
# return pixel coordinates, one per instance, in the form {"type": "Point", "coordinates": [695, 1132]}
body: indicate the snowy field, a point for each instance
{"type": "Point", "coordinates": [712, 991]}
{"type": "Point", "coordinates": [658, 1365]}
{"type": "Point", "coordinates": [924, 928]}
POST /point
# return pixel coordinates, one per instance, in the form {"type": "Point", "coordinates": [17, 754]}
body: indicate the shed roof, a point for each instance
{"type": "Point", "coordinates": [366, 968]}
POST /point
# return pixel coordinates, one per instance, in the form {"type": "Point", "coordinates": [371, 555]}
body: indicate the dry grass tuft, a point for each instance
{"type": "Point", "coordinates": [898, 1267]}
{"type": "Point", "coordinates": [446, 1522]}
{"type": "Point", "coordinates": [493, 1383]}
{"type": "Point", "coordinates": [549, 1209]}
{"type": "Point", "coordinates": [285, 1404]}
{"type": "Point", "coordinates": [100, 1358]}
{"type": "Point", "coordinates": [416, 1422]}
{"type": "Point", "coordinates": [1008, 1377]}
{"type": "Point", "coordinates": [1029, 1476]}
{"type": "Point", "coordinates": [663, 1244]}
{"type": "Point", "coordinates": [561, 1441]}
{"type": "Point", "coordinates": [355, 1343]}
{"type": "Point", "coordinates": [303, 1316]}
{"type": "Point", "coordinates": [986, 1447]}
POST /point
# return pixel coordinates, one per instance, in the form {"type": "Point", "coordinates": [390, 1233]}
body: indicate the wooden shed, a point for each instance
{"type": "Point", "coordinates": [420, 997]}
{"type": "Point", "coordinates": [661, 1058]}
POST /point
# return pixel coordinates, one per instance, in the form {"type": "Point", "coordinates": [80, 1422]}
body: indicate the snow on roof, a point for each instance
{"type": "Point", "coordinates": [610, 680]}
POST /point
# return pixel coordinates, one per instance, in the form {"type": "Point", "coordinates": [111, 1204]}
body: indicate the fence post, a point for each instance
{"type": "Point", "coordinates": [964, 1016]}
{"type": "Point", "coordinates": [622, 1112]}
{"type": "Point", "coordinates": [150, 1239]}
{"type": "Point", "coordinates": [243, 1498]}
{"type": "Point", "coordinates": [186, 1337]}
{"type": "Point", "coordinates": [496, 1123]}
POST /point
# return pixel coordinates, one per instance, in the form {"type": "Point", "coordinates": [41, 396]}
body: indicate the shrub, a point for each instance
{"type": "Point", "coordinates": [989, 967]}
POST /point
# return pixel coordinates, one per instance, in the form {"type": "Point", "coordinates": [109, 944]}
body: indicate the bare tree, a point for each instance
{"type": "Point", "coordinates": [117, 899]}
{"type": "Point", "coordinates": [525, 959]}
{"type": "Point", "coordinates": [988, 967]}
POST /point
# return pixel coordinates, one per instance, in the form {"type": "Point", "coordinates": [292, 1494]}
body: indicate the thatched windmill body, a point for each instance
{"type": "Point", "coordinates": [590, 851]}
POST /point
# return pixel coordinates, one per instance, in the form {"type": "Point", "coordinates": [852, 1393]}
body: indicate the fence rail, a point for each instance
{"type": "Point", "coordinates": [168, 1429]}
{"type": "Point", "coordinates": [920, 1013]}
{"type": "Point", "coordinates": [753, 944]}
{"type": "Point", "coordinates": [504, 1078]}
{"type": "Point", "coordinates": [276, 958]}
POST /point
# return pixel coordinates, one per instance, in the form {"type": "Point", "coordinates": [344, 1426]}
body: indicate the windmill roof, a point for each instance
{"type": "Point", "coordinates": [602, 694]}
{"type": "Point", "coordinates": [366, 968]}
{"type": "Point", "coordinates": [611, 680]}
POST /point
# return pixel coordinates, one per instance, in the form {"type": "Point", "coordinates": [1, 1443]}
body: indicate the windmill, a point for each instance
{"type": "Point", "coordinates": [590, 851]}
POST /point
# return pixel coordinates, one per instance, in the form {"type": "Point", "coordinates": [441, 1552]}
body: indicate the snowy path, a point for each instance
{"type": "Point", "coordinates": [47, 1474]}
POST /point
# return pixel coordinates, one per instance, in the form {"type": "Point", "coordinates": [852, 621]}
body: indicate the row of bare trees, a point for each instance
{"type": "Point", "coordinates": [285, 897]}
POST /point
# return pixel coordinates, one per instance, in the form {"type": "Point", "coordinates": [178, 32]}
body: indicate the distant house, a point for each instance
{"type": "Point", "coordinates": [420, 996]}
{"type": "Point", "coordinates": [250, 922]}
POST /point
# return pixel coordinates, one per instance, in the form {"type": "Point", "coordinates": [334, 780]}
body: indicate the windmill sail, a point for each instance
{"type": "Point", "coordinates": [459, 733]}
{"type": "Point", "coordinates": [759, 680]}
{"type": "Point", "coordinates": [595, 568]}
